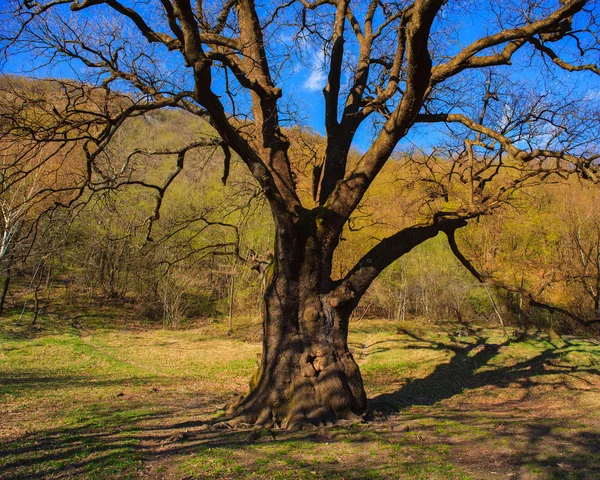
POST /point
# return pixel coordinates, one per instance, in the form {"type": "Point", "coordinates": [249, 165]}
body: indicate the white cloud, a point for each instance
{"type": "Point", "coordinates": [317, 78]}
{"type": "Point", "coordinates": [507, 116]}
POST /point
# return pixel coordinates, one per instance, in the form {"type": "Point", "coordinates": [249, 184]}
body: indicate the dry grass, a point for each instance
{"type": "Point", "coordinates": [105, 398]}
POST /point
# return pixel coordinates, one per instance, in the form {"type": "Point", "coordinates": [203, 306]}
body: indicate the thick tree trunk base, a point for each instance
{"type": "Point", "coordinates": [317, 385]}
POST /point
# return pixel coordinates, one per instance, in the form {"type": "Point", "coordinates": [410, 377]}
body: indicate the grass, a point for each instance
{"type": "Point", "coordinates": [105, 397]}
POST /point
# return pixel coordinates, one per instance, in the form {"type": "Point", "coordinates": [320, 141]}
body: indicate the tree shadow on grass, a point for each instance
{"type": "Point", "coordinates": [128, 445]}
{"type": "Point", "coordinates": [516, 445]}
{"type": "Point", "coordinates": [116, 443]}
{"type": "Point", "coordinates": [542, 443]}
{"type": "Point", "coordinates": [26, 382]}
{"type": "Point", "coordinates": [364, 350]}
{"type": "Point", "coordinates": [469, 368]}
{"type": "Point", "coordinates": [121, 448]}
{"type": "Point", "coordinates": [559, 455]}
{"type": "Point", "coordinates": [72, 452]}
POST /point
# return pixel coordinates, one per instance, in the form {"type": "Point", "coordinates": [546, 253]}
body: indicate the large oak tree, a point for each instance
{"type": "Point", "coordinates": [510, 81]}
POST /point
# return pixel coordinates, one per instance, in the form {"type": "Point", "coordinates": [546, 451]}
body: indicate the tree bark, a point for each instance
{"type": "Point", "coordinates": [307, 373]}
{"type": "Point", "coordinates": [5, 289]}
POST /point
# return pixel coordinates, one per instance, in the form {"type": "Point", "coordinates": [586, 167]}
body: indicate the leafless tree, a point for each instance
{"type": "Point", "coordinates": [394, 66]}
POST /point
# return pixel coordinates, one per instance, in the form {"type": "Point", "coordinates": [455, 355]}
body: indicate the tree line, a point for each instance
{"type": "Point", "coordinates": [197, 259]}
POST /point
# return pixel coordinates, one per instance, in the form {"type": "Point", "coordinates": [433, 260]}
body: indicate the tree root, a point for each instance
{"type": "Point", "coordinates": [267, 417]}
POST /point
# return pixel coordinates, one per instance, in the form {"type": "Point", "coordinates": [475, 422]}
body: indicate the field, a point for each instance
{"type": "Point", "coordinates": [101, 396]}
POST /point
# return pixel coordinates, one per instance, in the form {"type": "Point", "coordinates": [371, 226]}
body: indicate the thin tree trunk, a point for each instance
{"type": "Point", "coordinates": [37, 269]}
{"type": "Point", "coordinates": [36, 297]}
{"type": "Point", "coordinates": [5, 286]}
{"type": "Point", "coordinates": [520, 299]}
{"type": "Point", "coordinates": [231, 292]}
{"type": "Point", "coordinates": [36, 306]}
{"type": "Point", "coordinates": [496, 309]}
{"type": "Point", "coordinates": [597, 297]}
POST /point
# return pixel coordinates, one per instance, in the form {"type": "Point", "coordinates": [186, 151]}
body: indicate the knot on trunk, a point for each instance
{"type": "Point", "coordinates": [315, 364]}
{"type": "Point", "coordinates": [311, 312]}
{"type": "Point", "coordinates": [334, 302]}
{"type": "Point", "coordinates": [341, 295]}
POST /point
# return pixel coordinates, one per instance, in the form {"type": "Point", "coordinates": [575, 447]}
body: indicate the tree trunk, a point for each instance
{"type": "Point", "coordinates": [231, 292]}
{"type": "Point", "coordinates": [307, 373]}
{"type": "Point", "coordinates": [5, 289]}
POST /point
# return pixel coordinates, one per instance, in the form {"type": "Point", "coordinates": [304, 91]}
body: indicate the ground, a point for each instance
{"type": "Point", "coordinates": [103, 396]}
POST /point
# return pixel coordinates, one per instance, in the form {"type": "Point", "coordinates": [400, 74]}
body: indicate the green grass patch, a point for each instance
{"type": "Point", "coordinates": [110, 401]}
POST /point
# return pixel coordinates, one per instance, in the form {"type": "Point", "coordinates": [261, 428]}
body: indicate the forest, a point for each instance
{"type": "Point", "coordinates": [541, 252]}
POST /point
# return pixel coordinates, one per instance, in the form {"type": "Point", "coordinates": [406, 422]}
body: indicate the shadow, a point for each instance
{"type": "Point", "coordinates": [118, 440]}
{"type": "Point", "coordinates": [70, 452]}
{"type": "Point", "coordinates": [465, 371]}
{"type": "Point", "coordinates": [32, 381]}
{"type": "Point", "coordinates": [124, 443]}
{"type": "Point", "coordinates": [73, 317]}
{"type": "Point", "coordinates": [364, 350]}
{"type": "Point", "coordinates": [127, 444]}
{"type": "Point", "coordinates": [517, 445]}
{"type": "Point", "coordinates": [48, 325]}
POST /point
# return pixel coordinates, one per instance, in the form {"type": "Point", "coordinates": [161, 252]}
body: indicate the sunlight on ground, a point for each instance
{"type": "Point", "coordinates": [99, 402]}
